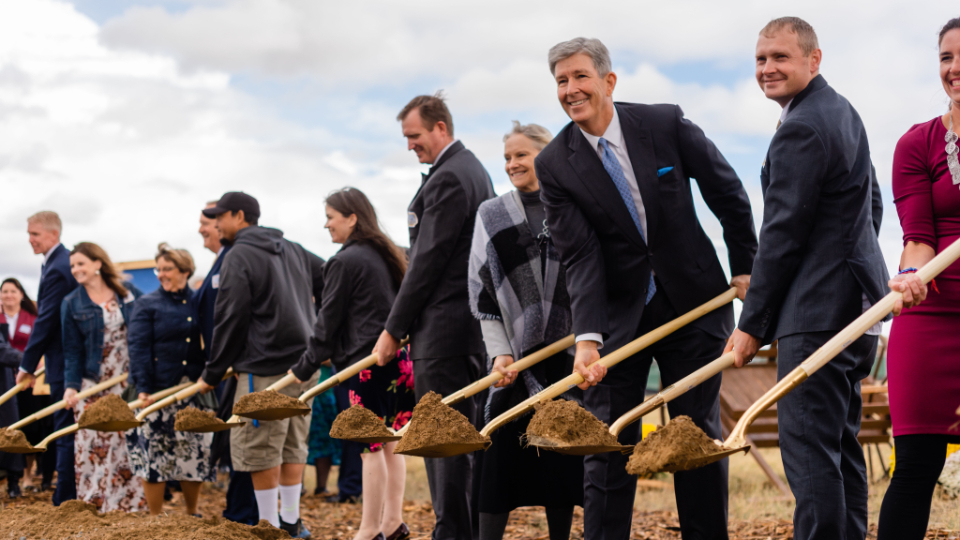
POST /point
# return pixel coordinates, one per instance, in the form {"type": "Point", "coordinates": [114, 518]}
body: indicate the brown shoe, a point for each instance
{"type": "Point", "coordinates": [402, 533]}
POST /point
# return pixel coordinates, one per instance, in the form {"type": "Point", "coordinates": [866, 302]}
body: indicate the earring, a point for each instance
{"type": "Point", "coordinates": [97, 272]}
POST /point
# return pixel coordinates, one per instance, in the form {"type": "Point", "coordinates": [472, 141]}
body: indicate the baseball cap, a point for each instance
{"type": "Point", "coordinates": [234, 201]}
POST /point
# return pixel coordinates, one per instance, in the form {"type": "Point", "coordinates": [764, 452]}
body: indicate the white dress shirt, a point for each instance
{"type": "Point", "coordinates": [12, 321]}
{"type": "Point", "coordinates": [614, 137]}
{"type": "Point", "coordinates": [437, 159]}
{"type": "Point", "coordinates": [46, 256]}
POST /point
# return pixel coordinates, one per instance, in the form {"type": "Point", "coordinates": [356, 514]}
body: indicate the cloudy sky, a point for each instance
{"type": "Point", "coordinates": [125, 117]}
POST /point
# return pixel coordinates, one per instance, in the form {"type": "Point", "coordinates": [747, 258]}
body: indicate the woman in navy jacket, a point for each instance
{"type": "Point", "coordinates": [94, 319]}
{"type": "Point", "coordinates": [165, 351]}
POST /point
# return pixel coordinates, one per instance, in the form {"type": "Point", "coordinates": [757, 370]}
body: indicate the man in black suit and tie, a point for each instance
{"type": "Point", "coordinates": [432, 306]}
{"type": "Point", "coordinates": [616, 185]}
{"type": "Point", "coordinates": [56, 282]}
{"type": "Point", "coordinates": [818, 268]}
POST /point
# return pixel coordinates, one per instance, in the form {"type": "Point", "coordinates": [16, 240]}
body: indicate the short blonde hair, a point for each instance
{"type": "Point", "coordinates": [179, 257]}
{"type": "Point", "coordinates": [806, 36]}
{"type": "Point", "coordinates": [50, 220]}
{"type": "Point", "coordinates": [540, 135]}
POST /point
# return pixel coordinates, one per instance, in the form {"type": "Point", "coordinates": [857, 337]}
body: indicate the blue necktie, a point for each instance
{"type": "Point", "coordinates": [612, 165]}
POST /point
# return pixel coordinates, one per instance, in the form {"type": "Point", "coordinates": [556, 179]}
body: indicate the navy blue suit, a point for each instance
{"type": "Point", "coordinates": [56, 282]}
{"type": "Point", "coordinates": [241, 502]}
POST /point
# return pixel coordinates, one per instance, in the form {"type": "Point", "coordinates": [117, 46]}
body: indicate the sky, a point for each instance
{"type": "Point", "coordinates": [126, 117]}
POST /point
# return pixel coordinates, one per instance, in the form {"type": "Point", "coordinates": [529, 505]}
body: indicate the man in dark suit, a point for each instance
{"type": "Point", "coordinates": [818, 268]}
{"type": "Point", "coordinates": [56, 282]}
{"type": "Point", "coordinates": [241, 502]}
{"type": "Point", "coordinates": [432, 306]}
{"type": "Point", "coordinates": [616, 185]}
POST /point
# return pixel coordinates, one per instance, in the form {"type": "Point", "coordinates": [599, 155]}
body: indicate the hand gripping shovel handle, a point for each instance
{"type": "Point", "coordinates": [43, 413]}
{"type": "Point", "coordinates": [832, 348]}
{"type": "Point", "coordinates": [180, 393]}
{"type": "Point", "coordinates": [673, 391]}
{"type": "Point", "coordinates": [611, 359]}
{"type": "Point", "coordinates": [17, 388]}
{"type": "Point", "coordinates": [342, 376]}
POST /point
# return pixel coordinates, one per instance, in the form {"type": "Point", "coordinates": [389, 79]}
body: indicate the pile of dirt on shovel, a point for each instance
{"type": "Point", "coordinates": [267, 399]}
{"type": "Point", "coordinates": [110, 408]}
{"type": "Point", "coordinates": [358, 422]}
{"type": "Point", "coordinates": [13, 437]}
{"type": "Point", "coordinates": [674, 447]}
{"type": "Point", "coordinates": [434, 423]}
{"type": "Point", "coordinates": [568, 423]}
{"type": "Point", "coordinates": [191, 418]}
{"type": "Point", "coordinates": [77, 519]}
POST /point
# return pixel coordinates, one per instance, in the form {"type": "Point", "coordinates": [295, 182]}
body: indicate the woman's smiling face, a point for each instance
{"type": "Point", "coordinates": [519, 153]}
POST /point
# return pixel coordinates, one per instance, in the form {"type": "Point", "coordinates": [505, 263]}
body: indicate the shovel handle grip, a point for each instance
{"type": "Point", "coordinates": [17, 388]}
{"type": "Point", "coordinates": [342, 376]}
{"type": "Point", "coordinates": [179, 393]}
{"type": "Point", "coordinates": [43, 413]}
{"type": "Point", "coordinates": [832, 348]}
{"type": "Point", "coordinates": [612, 359]}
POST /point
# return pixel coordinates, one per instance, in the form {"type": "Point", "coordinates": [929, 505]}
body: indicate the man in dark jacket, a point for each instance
{"type": "Point", "coordinates": [56, 282]}
{"type": "Point", "coordinates": [818, 268]}
{"type": "Point", "coordinates": [432, 306]}
{"type": "Point", "coordinates": [264, 319]}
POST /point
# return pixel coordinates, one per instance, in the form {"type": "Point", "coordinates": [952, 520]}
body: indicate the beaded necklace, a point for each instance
{"type": "Point", "coordinates": [952, 163]}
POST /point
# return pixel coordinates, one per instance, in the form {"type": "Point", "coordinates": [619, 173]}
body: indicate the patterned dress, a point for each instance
{"type": "Point", "coordinates": [104, 473]}
{"type": "Point", "coordinates": [387, 391]}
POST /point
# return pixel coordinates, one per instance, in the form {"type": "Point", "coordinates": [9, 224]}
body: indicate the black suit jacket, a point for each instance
{"type": "Point", "coordinates": [432, 305]}
{"type": "Point", "coordinates": [821, 216]}
{"type": "Point", "coordinates": [46, 340]}
{"type": "Point", "coordinates": [206, 299]}
{"type": "Point", "coordinates": [607, 261]}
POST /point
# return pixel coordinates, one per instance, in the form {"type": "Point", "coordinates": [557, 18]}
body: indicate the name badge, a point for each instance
{"type": "Point", "coordinates": [25, 328]}
{"type": "Point", "coordinates": [215, 281]}
{"type": "Point", "coordinates": [412, 220]}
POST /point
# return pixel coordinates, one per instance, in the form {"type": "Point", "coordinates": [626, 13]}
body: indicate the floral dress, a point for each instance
{"type": "Point", "coordinates": [104, 473]}
{"type": "Point", "coordinates": [387, 391]}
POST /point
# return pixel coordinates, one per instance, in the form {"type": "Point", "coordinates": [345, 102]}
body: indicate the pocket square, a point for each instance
{"type": "Point", "coordinates": [663, 171]}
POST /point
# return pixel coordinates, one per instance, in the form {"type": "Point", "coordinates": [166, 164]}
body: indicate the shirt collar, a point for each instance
{"type": "Point", "coordinates": [445, 148]}
{"type": "Point", "coordinates": [46, 256]}
{"type": "Point", "coordinates": [613, 133]}
{"type": "Point", "coordinates": [786, 109]}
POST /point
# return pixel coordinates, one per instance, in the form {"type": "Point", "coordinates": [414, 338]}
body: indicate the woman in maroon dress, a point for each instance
{"type": "Point", "coordinates": [924, 354]}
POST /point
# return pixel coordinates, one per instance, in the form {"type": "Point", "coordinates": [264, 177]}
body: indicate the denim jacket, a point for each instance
{"type": "Point", "coordinates": [164, 340]}
{"type": "Point", "coordinates": [82, 323]}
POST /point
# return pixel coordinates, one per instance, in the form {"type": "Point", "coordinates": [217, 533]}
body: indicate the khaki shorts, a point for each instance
{"type": "Point", "coordinates": [274, 442]}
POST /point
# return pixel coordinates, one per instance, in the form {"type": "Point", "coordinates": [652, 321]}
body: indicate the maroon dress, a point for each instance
{"type": "Point", "coordinates": [924, 354]}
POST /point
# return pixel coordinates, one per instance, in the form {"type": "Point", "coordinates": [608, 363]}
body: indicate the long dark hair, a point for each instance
{"type": "Point", "coordinates": [350, 201]}
{"type": "Point", "coordinates": [108, 272]}
{"type": "Point", "coordinates": [26, 304]}
{"type": "Point", "coordinates": [951, 25]}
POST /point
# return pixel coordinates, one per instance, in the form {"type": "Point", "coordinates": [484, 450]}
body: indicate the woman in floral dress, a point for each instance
{"type": "Point", "coordinates": [95, 349]}
{"type": "Point", "coordinates": [360, 284]}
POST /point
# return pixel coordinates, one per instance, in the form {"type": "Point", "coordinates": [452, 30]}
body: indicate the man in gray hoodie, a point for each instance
{"type": "Point", "coordinates": [264, 317]}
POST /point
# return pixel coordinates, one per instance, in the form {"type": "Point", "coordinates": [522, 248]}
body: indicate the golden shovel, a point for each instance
{"type": "Point", "coordinates": [187, 392]}
{"type": "Point", "coordinates": [561, 386]}
{"type": "Point", "coordinates": [737, 441]}
{"type": "Point", "coordinates": [45, 412]}
{"type": "Point", "coordinates": [17, 388]}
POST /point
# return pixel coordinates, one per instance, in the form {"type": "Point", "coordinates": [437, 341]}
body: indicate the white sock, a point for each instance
{"type": "Point", "coordinates": [267, 505]}
{"type": "Point", "coordinates": [290, 503]}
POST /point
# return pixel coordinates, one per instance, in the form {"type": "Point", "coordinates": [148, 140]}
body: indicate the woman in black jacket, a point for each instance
{"type": "Point", "coordinates": [360, 285]}
{"type": "Point", "coordinates": [164, 342]}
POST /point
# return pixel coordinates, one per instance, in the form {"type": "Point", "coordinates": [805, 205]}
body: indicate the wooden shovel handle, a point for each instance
{"type": "Point", "coordinates": [43, 413]}
{"type": "Point", "coordinates": [188, 390]}
{"type": "Point", "coordinates": [672, 392]}
{"type": "Point", "coordinates": [342, 376]}
{"type": "Point", "coordinates": [69, 430]}
{"type": "Point", "coordinates": [17, 388]}
{"type": "Point", "coordinates": [612, 359]}
{"type": "Point", "coordinates": [160, 395]}
{"type": "Point", "coordinates": [832, 348]}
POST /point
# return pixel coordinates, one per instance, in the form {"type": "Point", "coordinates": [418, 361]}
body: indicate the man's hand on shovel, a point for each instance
{"type": "Point", "coordinates": [386, 348]}
{"type": "Point", "coordinates": [24, 376]}
{"type": "Point", "coordinates": [585, 364]}
{"type": "Point", "coordinates": [744, 347]}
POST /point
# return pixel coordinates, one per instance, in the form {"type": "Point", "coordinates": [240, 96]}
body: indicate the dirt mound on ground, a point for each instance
{"type": "Point", "coordinates": [435, 423]}
{"type": "Point", "coordinates": [676, 446]}
{"type": "Point", "coordinates": [358, 422]}
{"type": "Point", "coordinates": [77, 519]}
{"type": "Point", "coordinates": [192, 418]}
{"type": "Point", "coordinates": [110, 408]}
{"type": "Point", "coordinates": [267, 399]}
{"type": "Point", "coordinates": [13, 437]}
{"type": "Point", "coordinates": [568, 423]}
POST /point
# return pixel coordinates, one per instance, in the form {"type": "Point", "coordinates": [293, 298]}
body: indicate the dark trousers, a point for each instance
{"type": "Point", "coordinates": [241, 502]}
{"type": "Point", "coordinates": [905, 511]}
{"type": "Point", "coordinates": [66, 475]}
{"type": "Point", "coordinates": [819, 421]}
{"type": "Point", "coordinates": [451, 479]}
{"type": "Point", "coordinates": [608, 490]}
{"type": "Point", "coordinates": [350, 476]}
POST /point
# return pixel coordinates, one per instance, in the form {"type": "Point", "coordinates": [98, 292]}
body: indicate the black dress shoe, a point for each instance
{"type": "Point", "coordinates": [402, 533]}
{"type": "Point", "coordinates": [295, 530]}
{"type": "Point", "coordinates": [14, 492]}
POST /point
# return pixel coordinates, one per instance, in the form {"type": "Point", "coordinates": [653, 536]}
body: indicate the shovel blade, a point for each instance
{"type": "Point", "coordinates": [545, 443]}
{"type": "Point", "coordinates": [277, 413]}
{"type": "Point", "coordinates": [703, 461]}
{"type": "Point", "coordinates": [114, 425]}
{"type": "Point", "coordinates": [22, 449]}
{"type": "Point", "coordinates": [213, 428]}
{"type": "Point", "coordinates": [446, 450]}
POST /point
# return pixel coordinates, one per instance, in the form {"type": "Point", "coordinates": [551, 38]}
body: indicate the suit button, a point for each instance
{"type": "Point", "coordinates": [189, 319]}
{"type": "Point", "coordinates": [188, 340]}
{"type": "Point", "coordinates": [184, 362]}
{"type": "Point", "coordinates": [156, 359]}
{"type": "Point", "coordinates": [184, 301]}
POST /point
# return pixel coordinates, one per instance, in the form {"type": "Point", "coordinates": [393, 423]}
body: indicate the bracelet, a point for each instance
{"type": "Point", "coordinates": [910, 270]}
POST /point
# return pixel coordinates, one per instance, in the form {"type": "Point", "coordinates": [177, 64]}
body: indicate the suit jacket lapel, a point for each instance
{"type": "Point", "coordinates": [594, 177]}
{"type": "Point", "coordinates": [644, 161]}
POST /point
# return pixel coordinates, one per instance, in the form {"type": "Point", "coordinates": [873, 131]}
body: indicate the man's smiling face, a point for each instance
{"type": "Point", "coordinates": [582, 91]}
